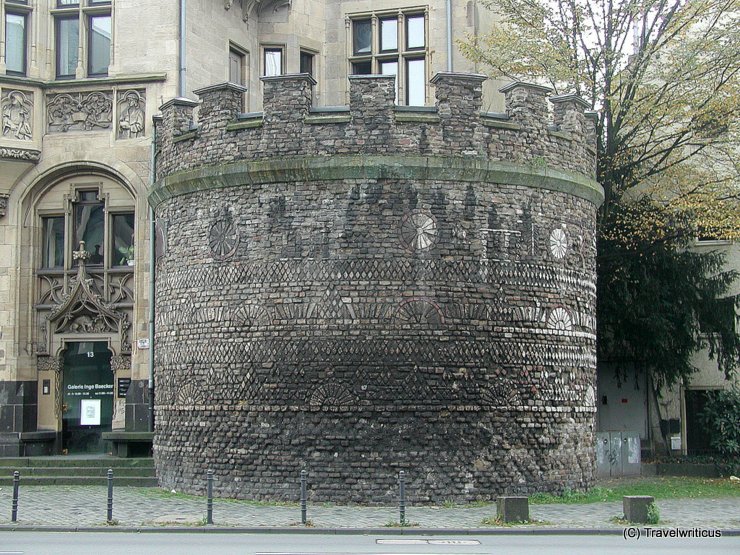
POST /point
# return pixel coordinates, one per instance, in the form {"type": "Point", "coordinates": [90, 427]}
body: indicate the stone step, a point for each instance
{"type": "Point", "coordinates": [128, 481]}
{"type": "Point", "coordinates": [74, 462]}
{"type": "Point", "coordinates": [91, 471]}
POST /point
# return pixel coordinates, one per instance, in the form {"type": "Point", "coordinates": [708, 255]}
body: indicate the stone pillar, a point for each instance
{"type": "Point", "coordinates": [569, 115]}
{"type": "Point", "coordinates": [636, 508]}
{"type": "Point", "coordinates": [177, 116]}
{"type": "Point", "coordinates": [526, 104]}
{"type": "Point", "coordinates": [512, 509]}
{"type": "Point", "coordinates": [220, 105]}
{"type": "Point", "coordinates": [459, 100]}
{"type": "Point", "coordinates": [372, 100]}
{"type": "Point", "coordinates": [176, 119]}
{"type": "Point", "coordinates": [287, 98]}
{"type": "Point", "coordinates": [592, 120]}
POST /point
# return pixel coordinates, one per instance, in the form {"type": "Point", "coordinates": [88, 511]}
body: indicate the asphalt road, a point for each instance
{"type": "Point", "coordinates": [180, 543]}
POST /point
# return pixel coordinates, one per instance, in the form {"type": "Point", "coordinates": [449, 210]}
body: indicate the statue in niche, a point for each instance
{"type": "Point", "coordinates": [17, 116]}
{"type": "Point", "coordinates": [131, 120]}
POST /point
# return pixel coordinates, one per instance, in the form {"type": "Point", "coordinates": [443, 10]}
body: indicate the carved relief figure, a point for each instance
{"type": "Point", "coordinates": [17, 110]}
{"type": "Point", "coordinates": [131, 115]}
{"type": "Point", "coordinates": [79, 111]}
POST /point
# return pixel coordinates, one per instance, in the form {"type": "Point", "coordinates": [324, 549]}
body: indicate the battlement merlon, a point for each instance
{"type": "Point", "coordinates": [374, 124]}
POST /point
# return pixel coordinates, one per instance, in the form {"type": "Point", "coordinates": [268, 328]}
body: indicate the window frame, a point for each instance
{"type": "Point", "coordinates": [360, 62]}
{"type": "Point", "coordinates": [20, 8]}
{"type": "Point", "coordinates": [242, 56]}
{"type": "Point", "coordinates": [85, 12]}
{"type": "Point", "coordinates": [112, 259]}
{"type": "Point", "coordinates": [272, 48]}
{"type": "Point", "coordinates": [91, 37]}
{"type": "Point", "coordinates": [305, 53]}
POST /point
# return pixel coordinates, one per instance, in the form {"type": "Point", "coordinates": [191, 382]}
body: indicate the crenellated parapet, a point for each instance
{"type": "Point", "coordinates": [373, 124]}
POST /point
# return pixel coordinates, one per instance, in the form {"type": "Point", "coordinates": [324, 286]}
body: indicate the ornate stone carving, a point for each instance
{"type": "Point", "coordinates": [120, 363]}
{"type": "Point", "coordinates": [20, 154]}
{"type": "Point", "coordinates": [82, 309]}
{"type": "Point", "coordinates": [249, 5]}
{"type": "Point", "coordinates": [131, 114]}
{"type": "Point", "coordinates": [48, 364]}
{"type": "Point", "coordinates": [79, 111]}
{"type": "Point", "coordinates": [3, 203]}
{"type": "Point", "coordinates": [17, 115]}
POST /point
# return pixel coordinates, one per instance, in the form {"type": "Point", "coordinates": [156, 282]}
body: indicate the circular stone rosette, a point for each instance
{"type": "Point", "coordinates": [558, 243]}
{"type": "Point", "coordinates": [223, 238]}
{"type": "Point", "coordinates": [418, 230]}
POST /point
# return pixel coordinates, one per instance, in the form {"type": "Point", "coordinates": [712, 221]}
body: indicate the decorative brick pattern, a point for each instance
{"type": "Point", "coordinates": [374, 311]}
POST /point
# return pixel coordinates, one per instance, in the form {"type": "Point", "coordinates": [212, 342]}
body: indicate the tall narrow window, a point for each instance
{"type": "Point", "coordinates": [237, 67]}
{"type": "Point", "coordinates": [67, 46]}
{"type": "Point", "coordinates": [392, 43]}
{"type": "Point", "coordinates": [89, 225]}
{"type": "Point", "coordinates": [388, 34]}
{"type": "Point", "coordinates": [99, 39]}
{"type": "Point", "coordinates": [273, 62]}
{"type": "Point", "coordinates": [415, 32]}
{"type": "Point", "coordinates": [415, 82]}
{"type": "Point", "coordinates": [15, 43]}
{"type": "Point", "coordinates": [122, 226]}
{"type": "Point", "coordinates": [52, 242]}
{"type": "Point", "coordinates": [307, 59]}
{"type": "Point", "coordinates": [362, 36]}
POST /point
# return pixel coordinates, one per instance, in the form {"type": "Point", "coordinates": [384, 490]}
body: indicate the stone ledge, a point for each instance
{"type": "Point", "coordinates": [561, 135]}
{"type": "Point", "coordinates": [246, 124]}
{"type": "Point", "coordinates": [328, 118]}
{"type": "Point", "coordinates": [128, 436]}
{"type": "Point", "coordinates": [190, 135]}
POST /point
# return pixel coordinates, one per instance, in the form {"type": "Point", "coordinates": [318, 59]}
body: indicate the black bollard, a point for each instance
{"type": "Point", "coordinates": [110, 495]}
{"type": "Point", "coordinates": [303, 497]}
{"type": "Point", "coordinates": [16, 484]}
{"type": "Point", "coordinates": [402, 497]}
{"type": "Point", "coordinates": [209, 493]}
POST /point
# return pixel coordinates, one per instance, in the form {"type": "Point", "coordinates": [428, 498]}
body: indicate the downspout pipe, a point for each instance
{"type": "Point", "coordinates": [152, 277]}
{"type": "Point", "coordinates": [181, 41]}
{"type": "Point", "coordinates": [448, 7]}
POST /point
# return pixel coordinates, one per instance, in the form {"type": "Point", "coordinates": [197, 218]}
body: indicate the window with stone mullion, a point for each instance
{"type": "Point", "coordinates": [392, 44]}
{"type": "Point", "coordinates": [87, 23]}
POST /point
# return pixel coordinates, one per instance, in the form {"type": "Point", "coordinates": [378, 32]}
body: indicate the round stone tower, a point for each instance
{"type": "Point", "coordinates": [357, 291]}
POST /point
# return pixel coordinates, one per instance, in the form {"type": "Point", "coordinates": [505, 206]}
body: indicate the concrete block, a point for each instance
{"type": "Point", "coordinates": [512, 509]}
{"type": "Point", "coordinates": [636, 507]}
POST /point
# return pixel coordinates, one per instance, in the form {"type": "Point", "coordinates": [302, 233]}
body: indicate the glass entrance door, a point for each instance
{"type": "Point", "coordinates": [87, 398]}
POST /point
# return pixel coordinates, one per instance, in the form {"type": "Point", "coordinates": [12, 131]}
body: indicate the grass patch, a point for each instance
{"type": "Point", "coordinates": [660, 487]}
{"type": "Point", "coordinates": [396, 524]}
{"type": "Point", "coordinates": [496, 521]}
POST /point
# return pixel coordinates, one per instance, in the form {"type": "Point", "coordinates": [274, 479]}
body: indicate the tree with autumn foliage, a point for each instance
{"type": "Point", "coordinates": [663, 78]}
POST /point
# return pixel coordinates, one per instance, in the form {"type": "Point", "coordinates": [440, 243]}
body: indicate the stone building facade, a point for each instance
{"type": "Point", "coordinates": [80, 81]}
{"type": "Point", "coordinates": [373, 289]}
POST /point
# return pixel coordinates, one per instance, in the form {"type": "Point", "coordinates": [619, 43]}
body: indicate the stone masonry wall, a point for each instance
{"type": "Point", "coordinates": [371, 312]}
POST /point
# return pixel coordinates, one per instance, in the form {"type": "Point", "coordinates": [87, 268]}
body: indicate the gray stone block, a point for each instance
{"type": "Point", "coordinates": [512, 509]}
{"type": "Point", "coordinates": [636, 507]}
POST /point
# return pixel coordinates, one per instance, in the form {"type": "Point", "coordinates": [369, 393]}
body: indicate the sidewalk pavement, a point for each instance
{"type": "Point", "coordinates": [85, 506]}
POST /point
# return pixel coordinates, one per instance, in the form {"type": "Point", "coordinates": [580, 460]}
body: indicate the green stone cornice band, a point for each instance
{"type": "Point", "coordinates": [418, 168]}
